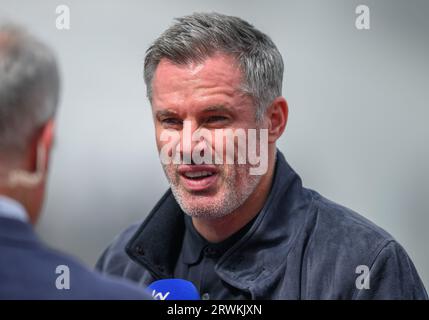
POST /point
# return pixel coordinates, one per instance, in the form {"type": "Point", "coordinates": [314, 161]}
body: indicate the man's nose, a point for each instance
{"type": "Point", "coordinates": [188, 143]}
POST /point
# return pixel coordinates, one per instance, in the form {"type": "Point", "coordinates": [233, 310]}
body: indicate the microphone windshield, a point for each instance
{"type": "Point", "coordinates": [174, 289]}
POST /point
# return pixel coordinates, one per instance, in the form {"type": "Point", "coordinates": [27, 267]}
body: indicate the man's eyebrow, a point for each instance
{"type": "Point", "coordinates": [214, 108]}
{"type": "Point", "coordinates": [165, 113]}
{"type": "Point", "coordinates": [217, 108]}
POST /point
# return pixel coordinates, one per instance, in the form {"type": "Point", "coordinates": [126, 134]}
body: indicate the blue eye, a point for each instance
{"type": "Point", "coordinates": [171, 121]}
{"type": "Point", "coordinates": [216, 118]}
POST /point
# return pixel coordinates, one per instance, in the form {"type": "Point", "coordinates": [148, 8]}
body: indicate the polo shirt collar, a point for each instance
{"type": "Point", "coordinates": [195, 246]}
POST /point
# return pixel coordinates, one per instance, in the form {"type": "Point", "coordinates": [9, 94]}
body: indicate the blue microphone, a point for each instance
{"type": "Point", "coordinates": [173, 289]}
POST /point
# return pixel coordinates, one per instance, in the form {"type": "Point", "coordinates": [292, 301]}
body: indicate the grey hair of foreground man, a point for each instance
{"type": "Point", "coordinates": [29, 87]}
{"type": "Point", "coordinates": [198, 36]}
{"type": "Point", "coordinates": [29, 94]}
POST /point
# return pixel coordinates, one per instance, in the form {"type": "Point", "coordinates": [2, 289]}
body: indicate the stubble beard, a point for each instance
{"type": "Point", "coordinates": [237, 186]}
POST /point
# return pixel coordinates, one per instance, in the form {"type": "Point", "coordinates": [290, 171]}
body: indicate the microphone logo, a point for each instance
{"type": "Point", "coordinates": [159, 295]}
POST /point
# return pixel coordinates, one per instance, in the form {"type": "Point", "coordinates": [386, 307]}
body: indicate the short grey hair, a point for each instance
{"type": "Point", "coordinates": [198, 36]}
{"type": "Point", "coordinates": [29, 86]}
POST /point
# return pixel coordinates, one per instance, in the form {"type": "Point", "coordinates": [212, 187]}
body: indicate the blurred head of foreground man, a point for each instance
{"type": "Point", "coordinates": [29, 90]}
{"type": "Point", "coordinates": [233, 233]}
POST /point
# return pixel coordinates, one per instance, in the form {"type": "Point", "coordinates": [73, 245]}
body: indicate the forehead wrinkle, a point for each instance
{"type": "Point", "coordinates": [212, 68]}
{"type": "Point", "coordinates": [215, 81]}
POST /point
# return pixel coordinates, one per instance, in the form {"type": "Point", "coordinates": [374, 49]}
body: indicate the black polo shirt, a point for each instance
{"type": "Point", "coordinates": [197, 261]}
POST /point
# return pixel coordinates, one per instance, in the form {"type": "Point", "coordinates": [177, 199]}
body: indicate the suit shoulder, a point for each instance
{"type": "Point", "coordinates": [341, 242]}
{"type": "Point", "coordinates": [345, 227]}
{"type": "Point", "coordinates": [341, 239]}
{"type": "Point", "coordinates": [39, 272]}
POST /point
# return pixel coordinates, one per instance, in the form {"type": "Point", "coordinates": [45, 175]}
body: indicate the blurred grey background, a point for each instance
{"type": "Point", "coordinates": [357, 130]}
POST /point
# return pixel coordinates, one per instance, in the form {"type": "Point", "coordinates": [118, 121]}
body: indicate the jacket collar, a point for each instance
{"type": "Point", "coordinates": [253, 260]}
{"type": "Point", "coordinates": [158, 240]}
{"type": "Point", "coordinates": [14, 230]}
{"type": "Point", "coordinates": [10, 208]}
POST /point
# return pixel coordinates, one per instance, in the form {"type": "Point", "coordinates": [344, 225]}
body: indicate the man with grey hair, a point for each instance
{"type": "Point", "coordinates": [233, 234]}
{"type": "Point", "coordinates": [29, 91]}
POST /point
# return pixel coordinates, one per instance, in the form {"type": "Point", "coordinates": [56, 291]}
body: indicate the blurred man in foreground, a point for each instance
{"type": "Point", "coordinates": [29, 90]}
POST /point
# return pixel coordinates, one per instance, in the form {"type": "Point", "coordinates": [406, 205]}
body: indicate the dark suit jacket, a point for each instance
{"type": "Point", "coordinates": [28, 270]}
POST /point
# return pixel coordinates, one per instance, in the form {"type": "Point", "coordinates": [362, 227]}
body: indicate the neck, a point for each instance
{"type": "Point", "coordinates": [217, 230]}
{"type": "Point", "coordinates": [25, 199]}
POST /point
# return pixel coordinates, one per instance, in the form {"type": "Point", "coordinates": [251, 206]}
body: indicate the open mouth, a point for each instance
{"type": "Point", "coordinates": [198, 177]}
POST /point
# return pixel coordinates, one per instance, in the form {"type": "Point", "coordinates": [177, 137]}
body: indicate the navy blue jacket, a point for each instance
{"type": "Point", "coordinates": [301, 246]}
{"type": "Point", "coordinates": [28, 271]}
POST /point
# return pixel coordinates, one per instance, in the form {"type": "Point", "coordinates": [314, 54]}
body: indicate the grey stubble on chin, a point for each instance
{"type": "Point", "coordinates": [216, 206]}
